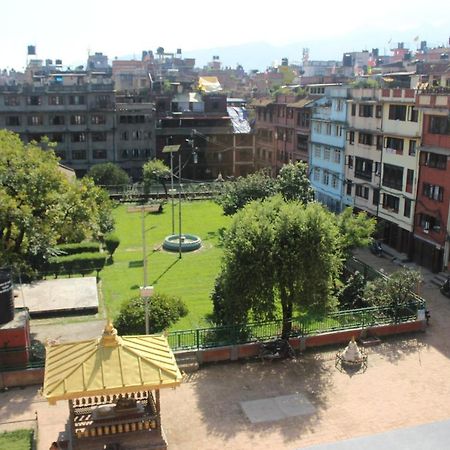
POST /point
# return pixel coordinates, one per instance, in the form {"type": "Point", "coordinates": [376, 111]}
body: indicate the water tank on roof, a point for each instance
{"type": "Point", "coordinates": [6, 297]}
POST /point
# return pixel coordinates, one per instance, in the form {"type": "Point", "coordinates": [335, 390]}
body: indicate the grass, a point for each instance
{"type": "Point", "coordinates": [16, 440]}
{"type": "Point", "coordinates": [191, 277]}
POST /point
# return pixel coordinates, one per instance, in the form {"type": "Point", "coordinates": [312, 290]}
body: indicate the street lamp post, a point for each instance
{"type": "Point", "coordinates": [172, 149]}
{"type": "Point", "coordinates": [179, 205]}
{"type": "Point", "coordinates": [146, 291]}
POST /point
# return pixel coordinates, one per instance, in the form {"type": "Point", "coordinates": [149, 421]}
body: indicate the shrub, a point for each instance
{"type": "Point", "coordinates": [164, 310]}
{"type": "Point", "coordinates": [112, 241]}
{"type": "Point", "coordinates": [77, 263]}
{"type": "Point", "coordinates": [81, 247]}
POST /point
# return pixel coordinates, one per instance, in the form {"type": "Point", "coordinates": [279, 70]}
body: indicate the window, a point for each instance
{"type": "Point", "coordinates": [98, 119]}
{"type": "Point", "coordinates": [351, 137]}
{"type": "Point", "coordinates": [407, 208]}
{"type": "Point", "coordinates": [433, 160]}
{"type": "Point", "coordinates": [334, 181]}
{"type": "Point", "coordinates": [439, 125]}
{"type": "Point", "coordinates": [412, 148]}
{"type": "Point", "coordinates": [77, 119]}
{"type": "Point", "coordinates": [413, 114]}
{"type": "Point", "coordinates": [78, 154]}
{"type": "Point", "coordinates": [378, 111]}
{"type": "Point", "coordinates": [350, 162]}
{"type": "Point", "coordinates": [99, 136]}
{"type": "Point", "coordinates": [328, 128]}
{"type": "Point", "coordinates": [337, 156]}
{"type": "Point", "coordinates": [326, 153]}
{"type": "Point", "coordinates": [338, 130]}
{"type": "Point", "coordinates": [317, 151]}
{"type": "Point", "coordinates": [353, 109]}
{"type": "Point", "coordinates": [303, 119]}
{"type": "Point", "coordinates": [377, 168]}
{"type": "Point", "coordinates": [363, 168]}
{"type": "Point", "coordinates": [397, 112]}
{"type": "Point", "coordinates": [99, 154]}
{"type": "Point", "coordinates": [35, 120]}
{"type": "Point", "coordinates": [102, 101]}
{"type": "Point", "coordinates": [316, 174]}
{"type": "Point", "coordinates": [57, 137]}
{"type": "Point", "coordinates": [13, 121]}
{"type": "Point", "coordinates": [365, 138]}
{"type": "Point", "coordinates": [339, 105]}
{"type": "Point", "coordinates": [79, 137]}
{"type": "Point", "coordinates": [376, 197]}
{"type": "Point", "coordinates": [349, 187]}
{"type": "Point", "coordinates": [57, 120]}
{"type": "Point", "coordinates": [318, 127]}
{"type": "Point", "coordinates": [326, 178]}
{"type": "Point", "coordinates": [433, 192]}
{"type": "Point", "coordinates": [391, 202]}
{"type": "Point", "coordinates": [394, 145]}
{"type": "Point", "coordinates": [393, 176]}
{"type": "Point", "coordinates": [12, 100]}
{"type": "Point", "coordinates": [56, 100]}
{"type": "Point", "coordinates": [76, 100]}
{"type": "Point", "coordinates": [365, 110]}
{"type": "Point", "coordinates": [136, 135]}
{"type": "Point", "coordinates": [362, 191]}
{"type": "Point", "coordinates": [409, 180]}
{"type": "Point", "coordinates": [34, 100]}
{"type": "Point", "coordinates": [429, 223]}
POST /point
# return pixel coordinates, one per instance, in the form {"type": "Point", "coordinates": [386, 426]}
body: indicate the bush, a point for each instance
{"type": "Point", "coordinates": [81, 247]}
{"type": "Point", "coordinates": [111, 243]}
{"type": "Point", "coordinates": [164, 310]}
{"type": "Point", "coordinates": [77, 263]}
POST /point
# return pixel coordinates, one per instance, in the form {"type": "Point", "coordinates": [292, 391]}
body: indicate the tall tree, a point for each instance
{"type": "Point", "coordinates": [156, 171]}
{"type": "Point", "coordinates": [108, 174]}
{"type": "Point", "coordinates": [40, 207]}
{"type": "Point", "coordinates": [279, 256]}
{"type": "Point", "coordinates": [293, 182]}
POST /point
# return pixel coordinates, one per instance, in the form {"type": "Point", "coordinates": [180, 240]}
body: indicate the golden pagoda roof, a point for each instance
{"type": "Point", "coordinates": [109, 365]}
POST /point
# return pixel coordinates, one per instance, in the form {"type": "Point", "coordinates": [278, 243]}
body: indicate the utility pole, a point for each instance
{"type": "Point", "coordinates": [146, 291]}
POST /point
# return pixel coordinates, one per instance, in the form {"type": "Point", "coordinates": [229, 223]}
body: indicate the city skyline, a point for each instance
{"type": "Point", "coordinates": [99, 27]}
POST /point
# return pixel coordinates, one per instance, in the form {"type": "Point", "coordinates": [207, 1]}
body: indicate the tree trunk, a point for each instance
{"type": "Point", "coordinates": [286, 305]}
{"type": "Point", "coordinates": [165, 189]}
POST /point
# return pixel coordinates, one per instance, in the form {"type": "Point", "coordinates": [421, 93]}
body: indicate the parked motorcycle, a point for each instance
{"type": "Point", "coordinates": [376, 248]}
{"type": "Point", "coordinates": [445, 288]}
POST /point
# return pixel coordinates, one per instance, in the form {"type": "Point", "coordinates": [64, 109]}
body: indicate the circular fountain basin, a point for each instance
{"type": "Point", "coordinates": [189, 243]}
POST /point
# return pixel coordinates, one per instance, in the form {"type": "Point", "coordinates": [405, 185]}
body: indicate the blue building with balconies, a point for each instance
{"type": "Point", "coordinates": [327, 147]}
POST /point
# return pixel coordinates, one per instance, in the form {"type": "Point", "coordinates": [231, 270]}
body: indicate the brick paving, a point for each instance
{"type": "Point", "coordinates": [406, 384]}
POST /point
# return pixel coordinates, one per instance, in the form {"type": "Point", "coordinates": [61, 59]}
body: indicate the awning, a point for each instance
{"type": "Point", "coordinates": [209, 84]}
{"type": "Point", "coordinates": [109, 365]}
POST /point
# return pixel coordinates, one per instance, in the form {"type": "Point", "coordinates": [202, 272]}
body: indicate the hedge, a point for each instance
{"type": "Point", "coordinates": [81, 247]}
{"type": "Point", "coordinates": [112, 241]}
{"type": "Point", "coordinates": [78, 263]}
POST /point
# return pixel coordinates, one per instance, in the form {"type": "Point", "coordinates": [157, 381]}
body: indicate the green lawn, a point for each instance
{"type": "Point", "coordinates": [191, 278]}
{"type": "Point", "coordinates": [16, 440]}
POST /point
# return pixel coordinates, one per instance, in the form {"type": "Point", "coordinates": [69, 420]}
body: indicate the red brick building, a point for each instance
{"type": "Point", "coordinates": [431, 225]}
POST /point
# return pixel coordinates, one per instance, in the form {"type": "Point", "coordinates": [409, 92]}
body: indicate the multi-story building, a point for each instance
{"type": "Point", "coordinates": [327, 147]}
{"type": "Point", "coordinates": [215, 141]}
{"type": "Point", "coordinates": [282, 127]}
{"type": "Point", "coordinates": [78, 112]}
{"type": "Point", "coordinates": [364, 150]}
{"type": "Point", "coordinates": [402, 126]}
{"type": "Point", "coordinates": [432, 222]}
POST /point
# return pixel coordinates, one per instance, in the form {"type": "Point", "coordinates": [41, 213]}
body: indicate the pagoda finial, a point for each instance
{"type": "Point", "coordinates": [109, 337]}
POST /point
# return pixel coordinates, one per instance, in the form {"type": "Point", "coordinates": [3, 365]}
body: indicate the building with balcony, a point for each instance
{"type": "Point", "coordinates": [402, 128]}
{"type": "Point", "coordinates": [78, 112]}
{"type": "Point", "coordinates": [363, 150]}
{"type": "Point", "coordinates": [431, 219]}
{"type": "Point", "coordinates": [327, 147]}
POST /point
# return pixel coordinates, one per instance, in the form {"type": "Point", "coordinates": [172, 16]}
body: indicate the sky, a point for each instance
{"type": "Point", "coordinates": [70, 30]}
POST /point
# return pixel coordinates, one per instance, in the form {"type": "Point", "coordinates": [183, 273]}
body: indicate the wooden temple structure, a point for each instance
{"type": "Point", "coordinates": [112, 384]}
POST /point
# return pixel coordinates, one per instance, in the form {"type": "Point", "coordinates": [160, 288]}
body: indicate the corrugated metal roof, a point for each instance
{"type": "Point", "coordinates": [262, 102]}
{"type": "Point", "coordinates": [239, 120]}
{"type": "Point", "coordinates": [109, 365]}
{"type": "Point", "coordinates": [300, 103]}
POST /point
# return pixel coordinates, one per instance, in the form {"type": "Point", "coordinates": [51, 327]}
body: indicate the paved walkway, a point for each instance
{"type": "Point", "coordinates": [406, 385]}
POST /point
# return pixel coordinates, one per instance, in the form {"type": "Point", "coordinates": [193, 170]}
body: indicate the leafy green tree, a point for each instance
{"type": "Point", "coordinates": [293, 183]}
{"type": "Point", "coordinates": [108, 174]}
{"type": "Point", "coordinates": [40, 207]}
{"type": "Point", "coordinates": [164, 311]}
{"type": "Point", "coordinates": [351, 294]}
{"type": "Point", "coordinates": [396, 291]}
{"type": "Point", "coordinates": [236, 194]}
{"type": "Point", "coordinates": [156, 171]}
{"type": "Point", "coordinates": [278, 256]}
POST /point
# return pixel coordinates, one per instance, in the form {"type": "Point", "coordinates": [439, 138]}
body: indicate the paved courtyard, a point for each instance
{"type": "Point", "coordinates": [406, 384]}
